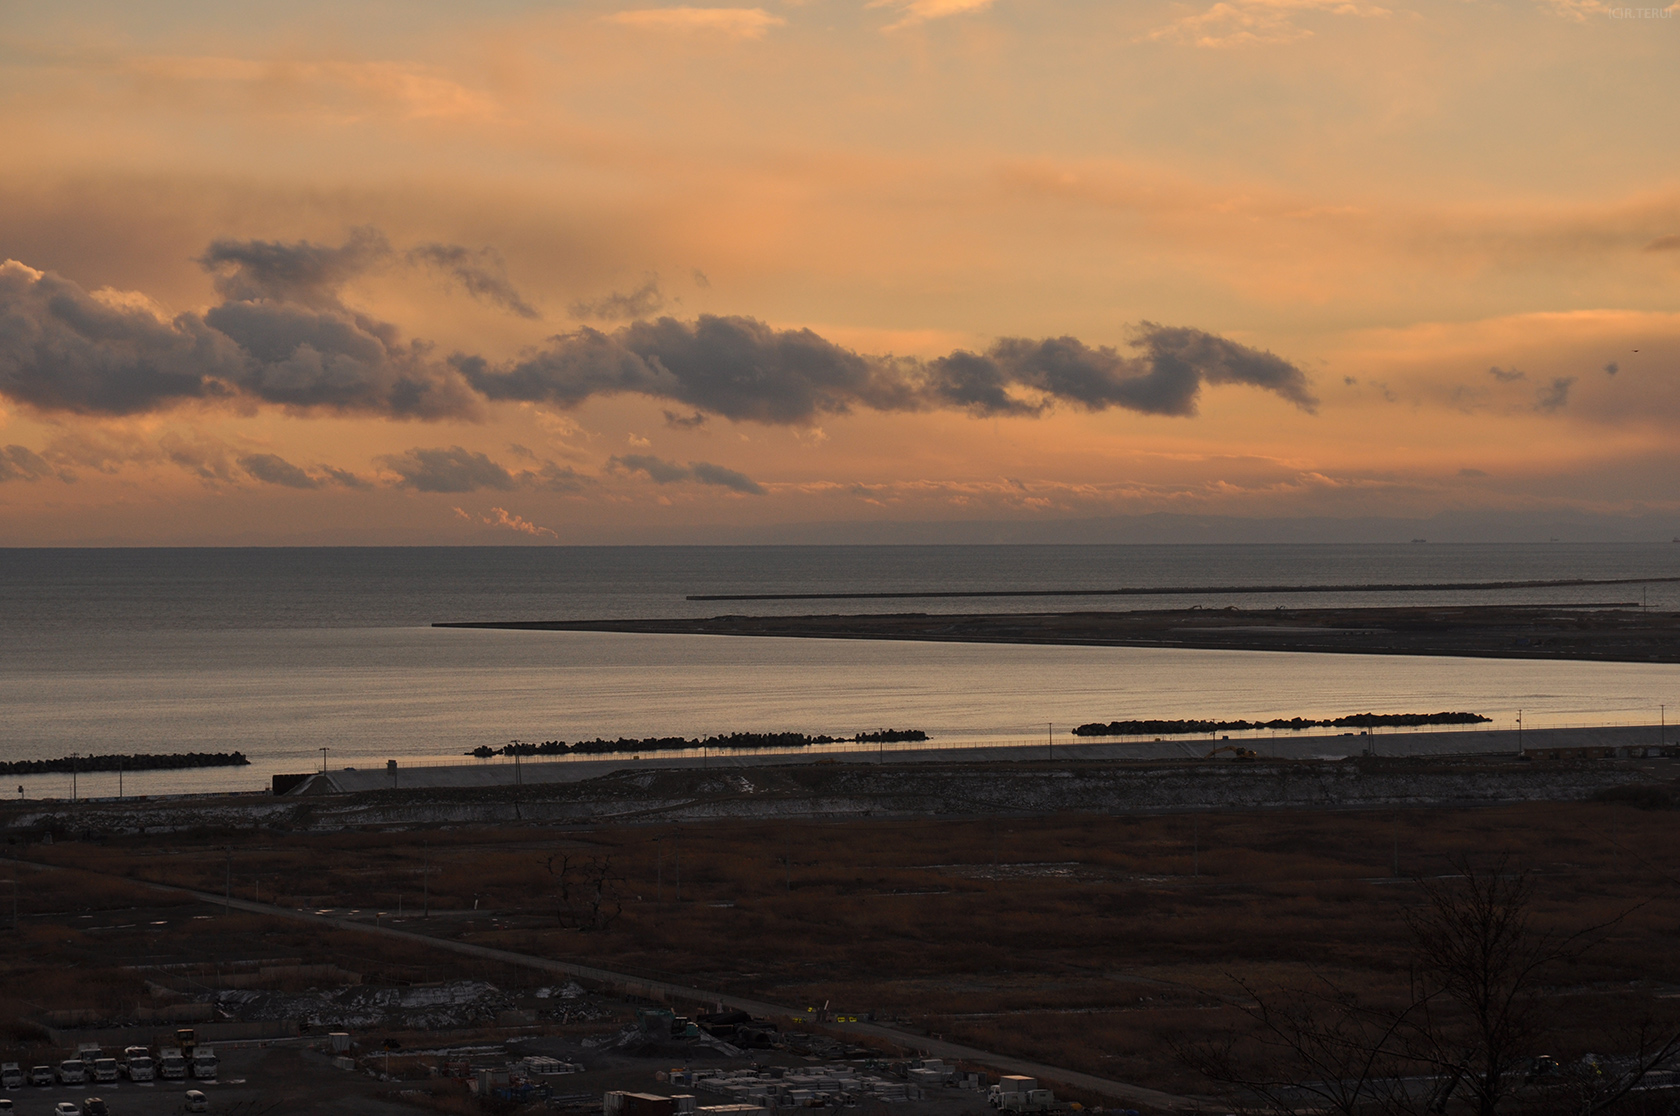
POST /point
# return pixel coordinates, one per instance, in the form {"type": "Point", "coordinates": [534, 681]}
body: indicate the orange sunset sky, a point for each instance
{"type": "Point", "coordinates": [426, 272]}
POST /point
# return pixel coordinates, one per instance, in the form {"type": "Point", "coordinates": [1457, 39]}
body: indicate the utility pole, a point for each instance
{"type": "Point", "coordinates": [323, 761]}
{"type": "Point", "coordinates": [73, 758]}
{"type": "Point", "coordinates": [1519, 733]}
{"type": "Point", "coordinates": [1396, 872]}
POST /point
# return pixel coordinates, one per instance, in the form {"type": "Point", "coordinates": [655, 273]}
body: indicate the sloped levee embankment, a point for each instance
{"type": "Point", "coordinates": [845, 791]}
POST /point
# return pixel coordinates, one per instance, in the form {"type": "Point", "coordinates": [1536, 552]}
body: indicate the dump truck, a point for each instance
{"type": "Point", "coordinates": [204, 1064]}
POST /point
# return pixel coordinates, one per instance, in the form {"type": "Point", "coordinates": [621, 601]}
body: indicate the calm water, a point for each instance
{"type": "Point", "coordinates": [279, 653]}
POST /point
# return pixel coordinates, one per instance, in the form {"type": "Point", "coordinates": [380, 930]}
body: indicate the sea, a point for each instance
{"type": "Point", "coordinates": [312, 657]}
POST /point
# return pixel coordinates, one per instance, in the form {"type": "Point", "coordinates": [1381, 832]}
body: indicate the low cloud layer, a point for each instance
{"type": "Point", "coordinates": [457, 469]}
{"type": "Point", "coordinates": [745, 370]}
{"type": "Point", "coordinates": [283, 336]}
{"type": "Point", "coordinates": [661, 471]}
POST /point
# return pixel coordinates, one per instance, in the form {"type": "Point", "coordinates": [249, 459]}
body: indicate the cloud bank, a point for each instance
{"type": "Point", "coordinates": [661, 471]}
{"type": "Point", "coordinates": [283, 336]}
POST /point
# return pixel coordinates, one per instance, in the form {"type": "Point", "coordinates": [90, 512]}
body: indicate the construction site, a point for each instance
{"type": "Point", "coordinates": [809, 936]}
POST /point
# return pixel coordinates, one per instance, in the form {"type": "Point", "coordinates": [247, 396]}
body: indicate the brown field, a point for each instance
{"type": "Point", "coordinates": [1089, 942]}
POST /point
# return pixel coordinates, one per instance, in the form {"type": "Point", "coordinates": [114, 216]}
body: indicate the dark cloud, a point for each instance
{"type": "Point", "coordinates": [707, 473]}
{"type": "Point", "coordinates": [271, 469]}
{"type": "Point", "coordinates": [480, 272]}
{"type": "Point", "coordinates": [1612, 368]}
{"type": "Point", "coordinates": [206, 458]}
{"type": "Point", "coordinates": [684, 422]}
{"type": "Point", "coordinates": [1506, 375]}
{"type": "Point", "coordinates": [301, 272]}
{"type": "Point", "coordinates": [743, 369]}
{"type": "Point", "coordinates": [1664, 244]}
{"type": "Point", "coordinates": [22, 463]}
{"type": "Point", "coordinates": [447, 470]}
{"type": "Point", "coordinates": [700, 279]}
{"type": "Point", "coordinates": [737, 367]}
{"type": "Point", "coordinates": [62, 349]}
{"type": "Point", "coordinates": [335, 359]}
{"type": "Point", "coordinates": [642, 302]}
{"type": "Point", "coordinates": [1555, 395]}
{"type": "Point", "coordinates": [661, 471]}
{"type": "Point", "coordinates": [658, 470]}
{"type": "Point", "coordinates": [344, 477]}
{"type": "Point", "coordinates": [1468, 472]}
{"type": "Point", "coordinates": [282, 336]}
{"type": "Point", "coordinates": [1164, 378]}
{"type": "Point", "coordinates": [556, 478]}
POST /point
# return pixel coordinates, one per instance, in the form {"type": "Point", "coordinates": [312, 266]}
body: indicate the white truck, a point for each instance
{"type": "Point", "coordinates": [137, 1064]}
{"type": "Point", "coordinates": [171, 1066]}
{"type": "Point", "coordinates": [11, 1076]}
{"type": "Point", "coordinates": [72, 1071]}
{"type": "Point", "coordinates": [105, 1070]}
{"type": "Point", "coordinates": [204, 1064]}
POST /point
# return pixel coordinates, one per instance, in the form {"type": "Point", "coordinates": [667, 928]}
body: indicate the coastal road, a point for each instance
{"type": "Point", "coordinates": [630, 984]}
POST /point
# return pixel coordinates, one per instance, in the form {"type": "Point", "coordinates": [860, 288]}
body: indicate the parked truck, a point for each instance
{"type": "Point", "coordinates": [11, 1076]}
{"type": "Point", "coordinates": [204, 1064]}
{"type": "Point", "coordinates": [171, 1065]}
{"type": "Point", "coordinates": [137, 1064]}
{"type": "Point", "coordinates": [105, 1070]}
{"type": "Point", "coordinates": [72, 1071]}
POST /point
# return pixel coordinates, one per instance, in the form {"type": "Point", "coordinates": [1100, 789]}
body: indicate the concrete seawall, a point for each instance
{"type": "Point", "coordinates": [816, 791]}
{"type": "Point", "coordinates": [1306, 745]}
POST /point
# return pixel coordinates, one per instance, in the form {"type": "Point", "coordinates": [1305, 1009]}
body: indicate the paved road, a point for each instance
{"type": "Point", "coordinates": [662, 990]}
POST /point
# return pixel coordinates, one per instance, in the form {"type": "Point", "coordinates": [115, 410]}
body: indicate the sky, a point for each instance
{"type": "Point", "coordinates": [589, 271]}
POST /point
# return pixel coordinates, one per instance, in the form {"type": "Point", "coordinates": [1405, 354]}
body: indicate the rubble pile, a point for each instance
{"type": "Point", "coordinates": [453, 1004]}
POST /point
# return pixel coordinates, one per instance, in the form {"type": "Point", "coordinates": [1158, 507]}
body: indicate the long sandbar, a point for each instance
{"type": "Point", "coordinates": [1611, 633]}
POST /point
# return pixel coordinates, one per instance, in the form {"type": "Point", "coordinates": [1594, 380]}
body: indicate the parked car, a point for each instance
{"type": "Point", "coordinates": [40, 1075]}
{"type": "Point", "coordinates": [95, 1106]}
{"type": "Point", "coordinates": [5, 1104]}
{"type": "Point", "coordinates": [197, 1101]}
{"type": "Point", "coordinates": [67, 1108]}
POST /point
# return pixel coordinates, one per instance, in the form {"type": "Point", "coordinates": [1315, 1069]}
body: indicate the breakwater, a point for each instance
{"type": "Point", "coordinates": [1293, 724]}
{"type": "Point", "coordinates": [144, 761]}
{"type": "Point", "coordinates": [733, 741]}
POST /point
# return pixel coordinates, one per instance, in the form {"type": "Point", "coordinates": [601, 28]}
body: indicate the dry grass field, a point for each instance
{"type": "Point", "coordinates": [1091, 942]}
